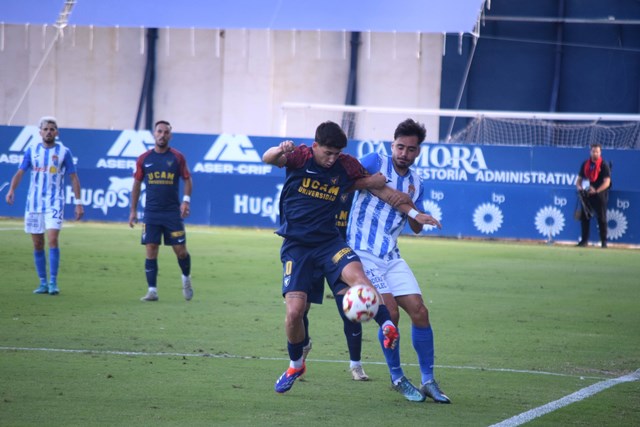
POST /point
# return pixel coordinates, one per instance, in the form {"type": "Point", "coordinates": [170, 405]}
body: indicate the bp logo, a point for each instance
{"type": "Point", "coordinates": [487, 218]}
{"type": "Point", "coordinates": [549, 221]}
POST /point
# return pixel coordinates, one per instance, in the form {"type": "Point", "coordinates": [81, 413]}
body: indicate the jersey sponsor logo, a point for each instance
{"type": "Point", "coordinates": [232, 154]}
{"type": "Point", "coordinates": [126, 148]}
{"type": "Point", "coordinates": [314, 188]}
{"type": "Point", "coordinates": [265, 207]}
{"type": "Point", "coordinates": [115, 195]}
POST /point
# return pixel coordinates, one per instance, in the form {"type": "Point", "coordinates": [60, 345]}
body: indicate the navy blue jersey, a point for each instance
{"type": "Point", "coordinates": [161, 173]}
{"type": "Point", "coordinates": [342, 217]}
{"type": "Point", "coordinates": [311, 195]}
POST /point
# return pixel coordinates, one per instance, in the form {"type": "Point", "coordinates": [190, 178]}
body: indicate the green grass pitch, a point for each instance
{"type": "Point", "coordinates": [516, 326]}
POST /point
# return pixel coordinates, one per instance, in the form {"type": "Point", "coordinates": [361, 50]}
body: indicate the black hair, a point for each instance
{"type": "Point", "coordinates": [162, 122]}
{"type": "Point", "coordinates": [410, 127]}
{"type": "Point", "coordinates": [329, 134]}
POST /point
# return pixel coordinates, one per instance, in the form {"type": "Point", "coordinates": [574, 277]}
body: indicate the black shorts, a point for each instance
{"type": "Point", "coordinates": [172, 232]}
{"type": "Point", "coordinates": [304, 267]}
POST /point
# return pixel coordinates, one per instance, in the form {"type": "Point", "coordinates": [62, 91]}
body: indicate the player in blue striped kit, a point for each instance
{"type": "Point", "coordinates": [49, 163]}
{"type": "Point", "coordinates": [373, 230]}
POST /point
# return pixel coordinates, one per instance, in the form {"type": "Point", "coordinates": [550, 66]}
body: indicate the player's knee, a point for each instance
{"type": "Point", "coordinates": [294, 315]}
{"type": "Point", "coordinates": [181, 251]}
{"type": "Point", "coordinates": [420, 316]}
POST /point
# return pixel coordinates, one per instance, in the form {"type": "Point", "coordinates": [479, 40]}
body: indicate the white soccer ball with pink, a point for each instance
{"type": "Point", "coordinates": [360, 303]}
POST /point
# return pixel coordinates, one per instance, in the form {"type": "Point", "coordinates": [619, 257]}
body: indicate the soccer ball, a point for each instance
{"type": "Point", "coordinates": [360, 303]}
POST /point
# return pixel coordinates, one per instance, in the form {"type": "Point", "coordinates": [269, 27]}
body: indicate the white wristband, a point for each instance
{"type": "Point", "coordinates": [77, 202]}
{"type": "Point", "coordinates": [186, 198]}
{"type": "Point", "coordinates": [413, 213]}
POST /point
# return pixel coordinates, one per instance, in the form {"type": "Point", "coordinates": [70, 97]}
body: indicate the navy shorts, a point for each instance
{"type": "Point", "coordinates": [172, 232]}
{"type": "Point", "coordinates": [304, 267]}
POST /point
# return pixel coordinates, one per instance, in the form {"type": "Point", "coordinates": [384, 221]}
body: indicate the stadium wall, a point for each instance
{"type": "Point", "coordinates": [502, 192]}
{"type": "Point", "coordinates": [208, 81]}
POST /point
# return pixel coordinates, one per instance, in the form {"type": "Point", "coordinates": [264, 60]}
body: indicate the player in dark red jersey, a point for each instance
{"type": "Point", "coordinates": [316, 178]}
{"type": "Point", "coordinates": [161, 169]}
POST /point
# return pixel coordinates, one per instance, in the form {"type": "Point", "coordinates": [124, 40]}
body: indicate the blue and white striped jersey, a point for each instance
{"type": "Point", "coordinates": [374, 226]}
{"type": "Point", "coordinates": [48, 168]}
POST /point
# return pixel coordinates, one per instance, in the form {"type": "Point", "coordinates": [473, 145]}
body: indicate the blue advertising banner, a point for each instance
{"type": "Point", "coordinates": [475, 191]}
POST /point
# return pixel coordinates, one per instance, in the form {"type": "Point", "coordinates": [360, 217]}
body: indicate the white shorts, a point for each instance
{"type": "Point", "coordinates": [39, 222]}
{"type": "Point", "coordinates": [389, 277]}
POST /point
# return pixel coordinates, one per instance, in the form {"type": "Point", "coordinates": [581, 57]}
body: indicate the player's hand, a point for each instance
{"type": "Point", "coordinates": [133, 219]}
{"type": "Point", "coordinates": [426, 219]}
{"type": "Point", "coordinates": [185, 209]}
{"type": "Point", "coordinates": [79, 212]}
{"type": "Point", "coordinates": [9, 197]}
{"type": "Point", "coordinates": [287, 146]}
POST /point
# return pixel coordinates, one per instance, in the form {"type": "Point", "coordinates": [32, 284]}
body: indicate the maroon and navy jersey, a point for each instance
{"type": "Point", "coordinates": [311, 195]}
{"type": "Point", "coordinates": [161, 173]}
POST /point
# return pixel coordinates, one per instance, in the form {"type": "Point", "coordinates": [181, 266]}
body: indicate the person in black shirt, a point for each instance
{"type": "Point", "coordinates": [598, 173]}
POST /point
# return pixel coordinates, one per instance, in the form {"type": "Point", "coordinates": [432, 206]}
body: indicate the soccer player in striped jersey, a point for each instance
{"type": "Point", "coordinates": [161, 169]}
{"type": "Point", "coordinates": [49, 162]}
{"type": "Point", "coordinates": [373, 230]}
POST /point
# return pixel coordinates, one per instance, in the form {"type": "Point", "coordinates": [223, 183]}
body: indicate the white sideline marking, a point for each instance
{"type": "Point", "coordinates": [232, 356]}
{"type": "Point", "coordinates": [567, 400]}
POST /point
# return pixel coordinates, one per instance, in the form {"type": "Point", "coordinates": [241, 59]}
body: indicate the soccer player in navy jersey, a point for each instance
{"type": "Point", "coordinates": [352, 330]}
{"type": "Point", "coordinates": [161, 169]}
{"type": "Point", "coordinates": [49, 162]}
{"type": "Point", "coordinates": [316, 178]}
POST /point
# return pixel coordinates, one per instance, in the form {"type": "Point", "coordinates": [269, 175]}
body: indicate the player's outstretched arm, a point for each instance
{"type": "Point", "coordinates": [393, 197]}
{"type": "Point", "coordinates": [376, 181]}
{"type": "Point", "coordinates": [276, 155]}
{"type": "Point", "coordinates": [402, 202]}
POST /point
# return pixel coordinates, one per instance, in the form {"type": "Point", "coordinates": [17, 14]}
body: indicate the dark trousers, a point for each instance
{"type": "Point", "coordinates": [598, 205]}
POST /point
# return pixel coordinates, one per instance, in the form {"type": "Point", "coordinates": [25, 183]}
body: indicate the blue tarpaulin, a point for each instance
{"type": "Point", "coordinates": [450, 16]}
